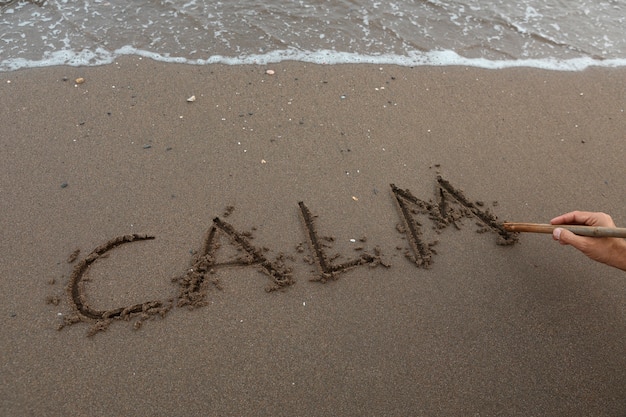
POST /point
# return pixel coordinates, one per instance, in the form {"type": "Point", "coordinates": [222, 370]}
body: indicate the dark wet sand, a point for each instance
{"type": "Point", "coordinates": [526, 329]}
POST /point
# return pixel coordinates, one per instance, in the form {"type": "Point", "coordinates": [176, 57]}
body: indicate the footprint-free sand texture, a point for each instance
{"type": "Point", "coordinates": [286, 275]}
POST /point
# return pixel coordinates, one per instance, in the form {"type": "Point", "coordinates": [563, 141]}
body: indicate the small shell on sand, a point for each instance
{"type": "Point", "coordinates": [191, 99]}
{"type": "Point", "coordinates": [79, 80]}
{"type": "Point", "coordinates": [270, 72]}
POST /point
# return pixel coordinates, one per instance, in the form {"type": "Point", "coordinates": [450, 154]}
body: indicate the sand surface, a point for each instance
{"type": "Point", "coordinates": [259, 194]}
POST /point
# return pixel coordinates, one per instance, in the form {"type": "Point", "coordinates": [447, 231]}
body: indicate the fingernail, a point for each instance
{"type": "Point", "coordinates": [556, 233]}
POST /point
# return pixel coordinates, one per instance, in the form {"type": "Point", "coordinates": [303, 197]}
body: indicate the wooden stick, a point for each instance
{"type": "Point", "coordinates": [591, 231]}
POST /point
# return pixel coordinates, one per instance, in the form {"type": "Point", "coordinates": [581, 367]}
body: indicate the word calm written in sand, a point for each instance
{"type": "Point", "coordinates": [449, 208]}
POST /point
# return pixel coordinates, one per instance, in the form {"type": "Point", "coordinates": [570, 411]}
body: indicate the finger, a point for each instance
{"type": "Point", "coordinates": [575, 217]}
{"type": "Point", "coordinates": [567, 218]}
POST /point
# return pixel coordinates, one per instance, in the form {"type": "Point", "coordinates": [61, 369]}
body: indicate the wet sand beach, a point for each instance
{"type": "Point", "coordinates": [317, 244]}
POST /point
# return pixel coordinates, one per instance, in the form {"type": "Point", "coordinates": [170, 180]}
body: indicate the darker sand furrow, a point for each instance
{"type": "Point", "coordinates": [78, 297]}
{"type": "Point", "coordinates": [423, 256]}
{"type": "Point", "coordinates": [328, 270]}
{"type": "Point", "coordinates": [490, 220]}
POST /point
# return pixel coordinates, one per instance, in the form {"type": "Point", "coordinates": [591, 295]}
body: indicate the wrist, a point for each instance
{"type": "Point", "coordinates": [617, 257]}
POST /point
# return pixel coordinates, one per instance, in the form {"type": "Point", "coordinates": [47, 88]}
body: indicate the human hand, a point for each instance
{"type": "Point", "coordinates": [608, 250]}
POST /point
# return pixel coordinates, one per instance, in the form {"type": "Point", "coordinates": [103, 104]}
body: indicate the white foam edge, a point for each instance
{"type": "Point", "coordinates": [101, 56]}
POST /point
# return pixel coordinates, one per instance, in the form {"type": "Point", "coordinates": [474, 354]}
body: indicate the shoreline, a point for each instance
{"type": "Point", "coordinates": [429, 59]}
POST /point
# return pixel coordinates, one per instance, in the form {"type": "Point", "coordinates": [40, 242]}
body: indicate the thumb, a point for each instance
{"type": "Point", "coordinates": [565, 237]}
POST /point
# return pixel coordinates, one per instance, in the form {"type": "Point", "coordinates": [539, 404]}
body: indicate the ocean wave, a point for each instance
{"type": "Point", "coordinates": [548, 34]}
{"type": "Point", "coordinates": [101, 56]}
